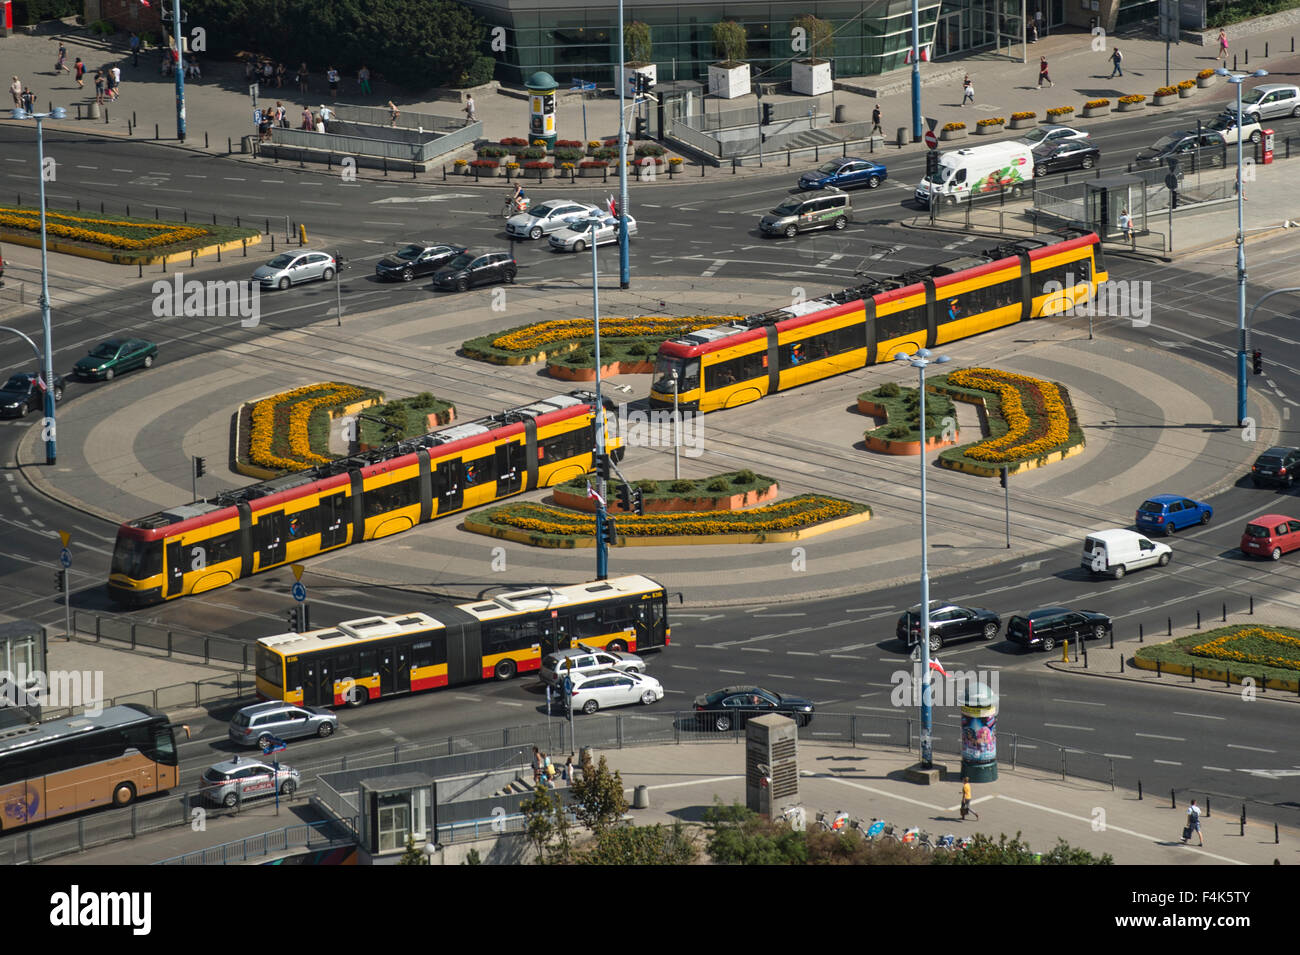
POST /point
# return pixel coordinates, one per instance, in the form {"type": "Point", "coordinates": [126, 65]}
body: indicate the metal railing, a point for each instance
{"type": "Point", "coordinates": [318, 835]}
{"type": "Point", "coordinates": [382, 116]}
{"type": "Point", "coordinates": [348, 145]}
{"type": "Point", "coordinates": [731, 118]}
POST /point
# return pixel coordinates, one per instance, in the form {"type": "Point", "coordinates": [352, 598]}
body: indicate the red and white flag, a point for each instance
{"type": "Point", "coordinates": [40, 383]}
{"type": "Point", "coordinates": [935, 665]}
{"type": "Point", "coordinates": [612, 206]}
{"type": "Point", "coordinates": [145, 3]}
{"type": "Point", "coordinates": [925, 55]}
{"type": "Point", "coordinates": [591, 492]}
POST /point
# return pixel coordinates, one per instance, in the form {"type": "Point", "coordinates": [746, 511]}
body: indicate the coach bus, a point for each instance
{"type": "Point", "coordinates": [734, 364]}
{"type": "Point", "coordinates": [83, 762]}
{"type": "Point", "coordinates": [493, 638]}
{"type": "Point", "coordinates": [194, 548]}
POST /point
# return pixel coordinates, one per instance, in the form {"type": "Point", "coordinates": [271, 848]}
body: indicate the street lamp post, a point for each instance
{"type": "Point", "coordinates": [624, 261]}
{"type": "Point", "coordinates": [1236, 79]}
{"type": "Point", "coordinates": [602, 558]}
{"type": "Point", "coordinates": [920, 361]}
{"type": "Point", "coordinates": [677, 433]}
{"type": "Point", "coordinates": [180, 70]}
{"type": "Point", "coordinates": [51, 445]}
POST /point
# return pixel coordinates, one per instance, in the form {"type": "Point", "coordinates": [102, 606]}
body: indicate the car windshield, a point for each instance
{"type": "Point", "coordinates": [1256, 530]}
{"type": "Point", "coordinates": [788, 208]}
{"type": "Point", "coordinates": [410, 252]}
{"type": "Point", "coordinates": [1165, 142]}
{"type": "Point", "coordinates": [1038, 135]}
{"type": "Point", "coordinates": [545, 209]}
{"type": "Point", "coordinates": [827, 168]}
{"type": "Point", "coordinates": [1152, 507]}
{"type": "Point", "coordinates": [16, 383]}
{"type": "Point", "coordinates": [281, 261]}
{"type": "Point", "coordinates": [241, 719]}
{"type": "Point", "coordinates": [461, 261]}
{"type": "Point", "coordinates": [214, 775]}
{"type": "Point", "coordinates": [1224, 121]}
{"type": "Point", "coordinates": [106, 350]}
{"type": "Point", "coordinates": [1251, 98]}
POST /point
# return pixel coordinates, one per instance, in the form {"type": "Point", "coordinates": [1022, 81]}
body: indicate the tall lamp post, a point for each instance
{"type": "Point", "coordinates": [602, 558]}
{"type": "Point", "coordinates": [920, 361]}
{"type": "Point", "coordinates": [51, 445]}
{"type": "Point", "coordinates": [1236, 79]}
{"type": "Point", "coordinates": [624, 262]}
{"type": "Point", "coordinates": [177, 29]}
{"type": "Point", "coordinates": [916, 75]}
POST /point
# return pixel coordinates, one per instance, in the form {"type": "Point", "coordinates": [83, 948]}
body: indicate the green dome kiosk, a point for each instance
{"type": "Point", "coordinates": [541, 108]}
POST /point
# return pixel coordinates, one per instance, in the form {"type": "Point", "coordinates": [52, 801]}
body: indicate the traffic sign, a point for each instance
{"type": "Point", "coordinates": [931, 139]}
{"type": "Point", "coordinates": [65, 557]}
{"type": "Point", "coordinates": [299, 592]}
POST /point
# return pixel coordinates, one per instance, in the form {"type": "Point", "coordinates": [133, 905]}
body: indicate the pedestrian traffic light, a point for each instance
{"type": "Point", "coordinates": [931, 164]}
{"type": "Point", "coordinates": [602, 466]}
{"type": "Point", "coordinates": [642, 128]}
{"type": "Point", "coordinates": [625, 497]}
{"type": "Point", "coordinates": [199, 467]}
{"type": "Point", "coordinates": [58, 581]}
{"type": "Point", "coordinates": [293, 620]}
{"type": "Point", "coordinates": [611, 532]}
{"type": "Point", "coordinates": [1257, 362]}
{"type": "Point", "coordinates": [638, 501]}
{"type": "Point", "coordinates": [767, 114]}
{"type": "Point", "coordinates": [1002, 475]}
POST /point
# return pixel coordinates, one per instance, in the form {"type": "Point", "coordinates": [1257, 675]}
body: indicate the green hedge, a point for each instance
{"type": "Point", "coordinates": [480, 71]}
{"type": "Point", "coordinates": [733, 482]}
{"type": "Point", "coordinates": [1237, 12]}
{"type": "Point", "coordinates": [901, 407]}
{"type": "Point", "coordinates": [403, 417]}
{"type": "Point", "coordinates": [28, 12]}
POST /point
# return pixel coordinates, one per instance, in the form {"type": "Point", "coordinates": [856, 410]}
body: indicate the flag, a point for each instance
{"type": "Point", "coordinates": [925, 55]}
{"type": "Point", "coordinates": [935, 665]}
{"type": "Point", "coordinates": [591, 492]}
{"type": "Point", "coordinates": [144, 3]}
{"type": "Point", "coordinates": [40, 383]}
{"type": "Point", "coordinates": [612, 206]}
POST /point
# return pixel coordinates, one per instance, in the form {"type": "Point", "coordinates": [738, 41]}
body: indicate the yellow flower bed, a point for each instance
{"type": "Point", "coordinates": [1012, 446]}
{"type": "Point", "coordinates": [536, 337]}
{"type": "Point", "coordinates": [1220, 649]}
{"type": "Point", "coordinates": [62, 225]}
{"type": "Point", "coordinates": [304, 401]}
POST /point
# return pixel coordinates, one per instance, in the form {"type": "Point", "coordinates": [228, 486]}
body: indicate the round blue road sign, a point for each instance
{"type": "Point", "coordinates": [65, 557]}
{"type": "Point", "coordinates": [299, 592]}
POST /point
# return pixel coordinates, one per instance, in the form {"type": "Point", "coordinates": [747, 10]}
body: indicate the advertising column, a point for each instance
{"type": "Point", "coordinates": [979, 733]}
{"type": "Point", "coordinates": [541, 108]}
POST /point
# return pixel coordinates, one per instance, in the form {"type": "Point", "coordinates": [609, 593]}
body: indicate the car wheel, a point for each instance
{"type": "Point", "coordinates": [1169, 528]}
{"type": "Point", "coordinates": [407, 275]}
{"type": "Point", "coordinates": [327, 275]}
{"type": "Point", "coordinates": [840, 223]}
{"type": "Point", "coordinates": [109, 374]}
{"type": "Point", "coordinates": [1086, 162]}
{"type": "Point", "coordinates": [1049, 644]}
{"type": "Point", "coordinates": [510, 276]}
{"type": "Point", "coordinates": [462, 285]}
{"type": "Point", "coordinates": [1099, 632]}
{"type": "Point", "coordinates": [1016, 190]}
{"type": "Point", "coordinates": [1164, 559]}
{"type": "Point", "coordinates": [616, 646]}
{"type": "Point", "coordinates": [264, 740]}
{"type": "Point", "coordinates": [1255, 137]}
{"type": "Point", "coordinates": [1118, 571]}
{"type": "Point", "coordinates": [990, 631]}
{"type": "Point", "coordinates": [1276, 553]}
{"type": "Point", "coordinates": [630, 669]}
{"type": "Point", "coordinates": [288, 787]}
{"type": "Point", "coordinates": [648, 697]}
{"type": "Point", "coordinates": [936, 643]}
{"type": "Point", "coordinates": [325, 729]}
{"type": "Point", "coordinates": [285, 283]}
{"type": "Point", "coordinates": [1039, 172]}
{"type": "Point", "coordinates": [722, 723]}
{"type": "Point", "coordinates": [951, 200]}
{"type": "Point", "coordinates": [579, 246]}
{"type": "Point", "coordinates": [504, 669]}
{"type": "Point", "coordinates": [873, 182]}
{"type": "Point", "coordinates": [1205, 517]}
{"type": "Point", "coordinates": [229, 800]}
{"type": "Point", "coordinates": [791, 232]}
{"type": "Point", "coordinates": [148, 361]}
{"type": "Point", "coordinates": [535, 232]}
{"type": "Point", "coordinates": [591, 706]}
{"type": "Point", "coordinates": [58, 394]}
{"type": "Point", "coordinates": [123, 794]}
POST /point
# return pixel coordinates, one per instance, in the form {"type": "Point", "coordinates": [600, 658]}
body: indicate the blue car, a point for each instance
{"type": "Point", "coordinates": [1167, 513]}
{"type": "Point", "coordinates": [844, 173]}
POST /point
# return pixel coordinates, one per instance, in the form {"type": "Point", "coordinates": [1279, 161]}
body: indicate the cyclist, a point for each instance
{"type": "Point", "coordinates": [517, 198]}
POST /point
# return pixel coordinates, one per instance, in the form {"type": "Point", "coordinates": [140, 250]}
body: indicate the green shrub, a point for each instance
{"type": "Point", "coordinates": [898, 432]}
{"type": "Point", "coordinates": [570, 155]}
{"type": "Point", "coordinates": [531, 152]}
{"type": "Point", "coordinates": [491, 151]}
{"type": "Point", "coordinates": [681, 487]}
{"type": "Point", "coordinates": [480, 71]}
{"type": "Point", "coordinates": [648, 487]}
{"type": "Point", "coordinates": [99, 26]}
{"type": "Point", "coordinates": [28, 12]}
{"type": "Point", "coordinates": [744, 477]}
{"type": "Point", "coordinates": [719, 485]}
{"type": "Point", "coordinates": [650, 149]}
{"type": "Point", "coordinates": [888, 390]}
{"type": "Point", "coordinates": [642, 348]}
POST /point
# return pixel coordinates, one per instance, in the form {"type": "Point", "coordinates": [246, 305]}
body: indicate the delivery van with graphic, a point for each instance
{"type": "Point", "coordinates": [979, 171]}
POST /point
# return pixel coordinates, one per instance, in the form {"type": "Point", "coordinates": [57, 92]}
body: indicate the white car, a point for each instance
{"type": "Point", "coordinates": [604, 688]}
{"type": "Point", "coordinates": [291, 268]}
{"type": "Point", "coordinates": [1048, 133]}
{"type": "Point", "coordinates": [229, 783]}
{"type": "Point", "coordinates": [1225, 124]}
{"type": "Point", "coordinates": [584, 659]}
{"type": "Point", "coordinates": [577, 238]}
{"type": "Point", "coordinates": [547, 218]}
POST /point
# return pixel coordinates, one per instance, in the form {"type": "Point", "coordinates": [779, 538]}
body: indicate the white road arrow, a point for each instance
{"type": "Point", "coordinates": [429, 198]}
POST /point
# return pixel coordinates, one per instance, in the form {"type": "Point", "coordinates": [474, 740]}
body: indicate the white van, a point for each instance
{"type": "Point", "coordinates": [968, 173]}
{"type": "Point", "coordinates": [1117, 551]}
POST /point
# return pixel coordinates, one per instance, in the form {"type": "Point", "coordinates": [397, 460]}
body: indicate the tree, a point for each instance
{"type": "Point", "coordinates": [730, 42]}
{"type": "Point", "coordinates": [641, 845]}
{"type": "Point", "coordinates": [819, 35]}
{"type": "Point", "coordinates": [739, 836]}
{"type": "Point", "coordinates": [637, 43]}
{"type": "Point", "coordinates": [984, 851]}
{"type": "Point", "coordinates": [599, 795]}
{"type": "Point", "coordinates": [547, 826]}
{"type": "Point", "coordinates": [412, 855]}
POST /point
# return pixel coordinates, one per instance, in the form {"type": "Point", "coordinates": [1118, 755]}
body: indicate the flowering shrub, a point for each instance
{"type": "Point", "coordinates": [568, 144]}
{"type": "Point", "coordinates": [1032, 432]}
{"type": "Point", "coordinates": [532, 152]}
{"type": "Point", "coordinates": [569, 155]}
{"type": "Point", "coordinates": [952, 127]}
{"type": "Point", "coordinates": [1135, 98]}
{"type": "Point", "coordinates": [512, 165]}
{"type": "Point", "coordinates": [492, 152]}
{"type": "Point", "coordinates": [1061, 111]}
{"type": "Point", "coordinates": [278, 436]}
{"type": "Point", "coordinates": [676, 161]}
{"type": "Point", "coordinates": [1187, 84]}
{"type": "Point", "coordinates": [514, 141]}
{"type": "Point", "coordinates": [567, 166]}
{"type": "Point", "coordinates": [1253, 645]}
{"type": "Point", "coordinates": [1167, 91]}
{"type": "Point", "coordinates": [534, 338]}
{"type": "Point", "coordinates": [113, 233]}
{"type": "Point", "coordinates": [485, 164]}
{"type": "Point", "coordinates": [593, 144]}
{"type": "Point", "coordinates": [593, 164]}
{"type": "Point", "coordinates": [649, 149]}
{"type": "Point", "coordinates": [1096, 103]}
{"type": "Point", "coordinates": [539, 165]}
{"type": "Point", "coordinates": [1025, 114]}
{"type": "Point", "coordinates": [539, 143]}
{"type": "Point", "coordinates": [611, 142]}
{"type": "Point", "coordinates": [606, 152]}
{"type": "Point", "coordinates": [1204, 74]}
{"type": "Point", "coordinates": [461, 163]}
{"type": "Point", "coordinates": [998, 121]}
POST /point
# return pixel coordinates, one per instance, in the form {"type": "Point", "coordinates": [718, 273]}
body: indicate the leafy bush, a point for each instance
{"type": "Point", "coordinates": [889, 389]}
{"type": "Point", "coordinates": [681, 487]}
{"type": "Point", "coordinates": [649, 149]}
{"type": "Point", "coordinates": [480, 71]}
{"type": "Point", "coordinates": [606, 152]}
{"type": "Point", "coordinates": [27, 12]}
{"type": "Point", "coordinates": [648, 486]}
{"type": "Point", "coordinates": [718, 485]}
{"type": "Point", "coordinates": [744, 476]}
{"type": "Point", "coordinates": [492, 152]}
{"type": "Point", "coordinates": [569, 155]}
{"type": "Point", "coordinates": [531, 152]}
{"type": "Point", "coordinates": [1025, 114]}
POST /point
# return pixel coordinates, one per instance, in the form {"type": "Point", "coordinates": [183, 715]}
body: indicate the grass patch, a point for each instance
{"type": "Point", "coordinates": [998, 426]}
{"type": "Point", "coordinates": [902, 412]}
{"type": "Point", "coordinates": [402, 418]}
{"type": "Point", "coordinates": [1241, 649]}
{"type": "Point", "coordinates": [571, 341]}
{"type": "Point", "coordinates": [128, 237]}
{"type": "Point", "coordinates": [698, 489]}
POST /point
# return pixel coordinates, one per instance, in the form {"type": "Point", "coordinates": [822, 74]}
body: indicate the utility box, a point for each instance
{"type": "Point", "coordinates": [771, 764]}
{"type": "Point", "coordinates": [1266, 147]}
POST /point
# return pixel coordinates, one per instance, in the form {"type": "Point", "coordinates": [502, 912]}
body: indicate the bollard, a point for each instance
{"type": "Point", "coordinates": [155, 213]}
{"type": "Point", "coordinates": [701, 170]}
{"type": "Point", "coordinates": [1121, 663]}
{"type": "Point", "coordinates": [1083, 642]}
{"type": "Point", "coordinates": [78, 205]}
{"type": "Point", "coordinates": [214, 218]}
{"type": "Point", "coordinates": [106, 116]}
{"type": "Point", "coordinates": [272, 243]}
{"type": "Point", "coordinates": [386, 170]}
{"type": "Point", "coordinates": [902, 136]}
{"type": "Point", "coordinates": [1275, 842]}
{"type": "Point", "coordinates": [413, 171]}
{"type": "Point", "coordinates": [1247, 53]}
{"type": "Point", "coordinates": [130, 128]}
{"type": "Point", "coordinates": [268, 227]}
{"type": "Point", "coordinates": [1207, 807]}
{"type": "Point", "coordinates": [1112, 638]}
{"type": "Point", "coordinates": [787, 159]}
{"type": "Point", "coordinates": [733, 165]}
{"type": "Point", "coordinates": [134, 121]}
{"type": "Point", "coordinates": [205, 141]}
{"type": "Point", "coordinates": [1169, 626]}
{"type": "Point", "coordinates": [218, 253]}
{"type": "Point", "coordinates": [156, 134]}
{"type": "Point", "coordinates": [1252, 605]}
{"type": "Point", "coordinates": [301, 164]}
{"type": "Point", "coordinates": [193, 256]}
{"type": "Point", "coordinates": [1234, 61]}
{"type": "Point", "coordinates": [1139, 790]}
{"type": "Point", "coordinates": [329, 161]}
{"type": "Point", "coordinates": [1266, 49]}
{"type": "Point", "coordinates": [230, 145]}
{"type": "Point", "coordinates": [1193, 672]}
{"type": "Point", "coordinates": [128, 211]}
{"type": "Point", "coordinates": [1225, 611]}
{"type": "Point", "coordinates": [1227, 676]}
{"type": "Point", "coordinates": [1139, 633]}
{"type": "Point", "coordinates": [1159, 674]}
{"type": "Point", "coordinates": [236, 222]}
{"type": "Point", "coordinates": [139, 270]}
{"type": "Point", "coordinates": [1173, 802]}
{"type": "Point", "coordinates": [244, 243]}
{"type": "Point", "coordinates": [1198, 620]}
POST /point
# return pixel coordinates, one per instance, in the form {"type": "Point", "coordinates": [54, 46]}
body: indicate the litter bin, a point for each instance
{"type": "Point", "coordinates": [1266, 147]}
{"type": "Point", "coordinates": [641, 798]}
{"type": "Point", "coordinates": [246, 144]}
{"type": "Point", "coordinates": [840, 111]}
{"type": "Point", "coordinates": [94, 111]}
{"type": "Point", "coordinates": [902, 136]}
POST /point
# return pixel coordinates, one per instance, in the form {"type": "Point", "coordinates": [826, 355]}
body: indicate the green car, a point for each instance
{"type": "Point", "coordinates": [116, 355]}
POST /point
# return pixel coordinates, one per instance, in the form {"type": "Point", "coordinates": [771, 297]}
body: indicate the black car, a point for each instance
{"type": "Point", "coordinates": [1045, 629]}
{"type": "Point", "coordinates": [469, 269]}
{"type": "Point", "coordinates": [948, 623]}
{"type": "Point", "coordinates": [1065, 154]}
{"type": "Point", "coordinates": [735, 705]}
{"type": "Point", "coordinates": [1182, 145]}
{"type": "Point", "coordinates": [1276, 466]}
{"type": "Point", "coordinates": [22, 394]}
{"type": "Point", "coordinates": [417, 258]}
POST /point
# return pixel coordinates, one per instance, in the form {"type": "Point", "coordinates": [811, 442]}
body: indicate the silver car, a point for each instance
{"type": "Point", "coordinates": [294, 268]}
{"type": "Point", "coordinates": [259, 724]}
{"type": "Point", "coordinates": [601, 689]}
{"type": "Point", "coordinates": [584, 659]}
{"type": "Point", "coordinates": [577, 238]}
{"type": "Point", "coordinates": [229, 783]}
{"type": "Point", "coordinates": [1270, 101]}
{"type": "Point", "coordinates": [547, 218]}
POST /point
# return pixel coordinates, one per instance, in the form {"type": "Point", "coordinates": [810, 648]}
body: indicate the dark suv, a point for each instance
{"type": "Point", "coordinates": [948, 623]}
{"type": "Point", "coordinates": [1044, 629]}
{"type": "Point", "coordinates": [469, 269]}
{"type": "Point", "coordinates": [1276, 466]}
{"type": "Point", "coordinates": [22, 393]}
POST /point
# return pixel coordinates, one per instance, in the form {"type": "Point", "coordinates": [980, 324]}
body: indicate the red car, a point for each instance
{"type": "Point", "coordinates": [1271, 535]}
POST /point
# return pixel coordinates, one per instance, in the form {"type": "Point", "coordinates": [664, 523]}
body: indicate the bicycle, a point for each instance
{"type": "Point", "coordinates": [795, 816]}
{"type": "Point", "coordinates": [513, 208]}
{"type": "Point", "coordinates": [839, 822]}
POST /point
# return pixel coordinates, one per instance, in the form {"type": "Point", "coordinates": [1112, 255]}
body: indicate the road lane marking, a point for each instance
{"type": "Point", "coordinates": [1172, 739]}
{"type": "Point", "coordinates": [1069, 726]}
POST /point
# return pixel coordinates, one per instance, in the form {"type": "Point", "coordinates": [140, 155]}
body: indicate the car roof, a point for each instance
{"type": "Point", "coordinates": [1115, 533]}
{"type": "Point", "coordinates": [256, 708]}
{"type": "Point", "coordinates": [1270, 87]}
{"type": "Point", "coordinates": [1167, 498]}
{"type": "Point", "coordinates": [1270, 519]}
{"type": "Point", "coordinates": [602, 672]}
{"type": "Point", "coordinates": [230, 765]}
{"type": "Point", "coordinates": [1278, 452]}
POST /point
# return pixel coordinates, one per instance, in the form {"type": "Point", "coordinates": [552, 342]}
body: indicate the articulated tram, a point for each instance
{"type": "Point", "coordinates": [734, 364]}
{"type": "Point", "coordinates": [197, 547]}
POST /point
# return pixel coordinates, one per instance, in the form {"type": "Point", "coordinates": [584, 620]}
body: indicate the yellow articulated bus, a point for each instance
{"type": "Point", "coordinates": [731, 365]}
{"type": "Point", "coordinates": [493, 638]}
{"type": "Point", "coordinates": [194, 548]}
{"type": "Point", "coordinates": [83, 762]}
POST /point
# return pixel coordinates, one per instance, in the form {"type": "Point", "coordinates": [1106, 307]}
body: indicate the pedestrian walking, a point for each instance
{"type": "Point", "coordinates": [537, 765]}
{"type": "Point", "coordinates": [1126, 226]}
{"type": "Point", "coordinates": [363, 79]}
{"type": "Point", "coordinates": [470, 115]}
{"type": "Point", "coordinates": [548, 770]}
{"type": "Point", "coordinates": [393, 113]}
{"type": "Point", "coordinates": [332, 75]}
{"type": "Point", "coordinates": [965, 799]}
{"type": "Point", "coordinates": [61, 65]}
{"type": "Point", "coordinates": [1117, 58]}
{"type": "Point", "coordinates": [319, 124]}
{"type": "Point", "coordinates": [568, 769]}
{"type": "Point", "coordinates": [99, 87]}
{"type": "Point", "coordinates": [875, 121]}
{"type": "Point", "coordinates": [1223, 47]}
{"type": "Point", "coordinates": [1193, 824]}
{"type": "Point", "coordinates": [16, 91]}
{"type": "Point", "coordinates": [29, 100]}
{"type": "Point", "coordinates": [135, 50]}
{"type": "Point", "coordinates": [79, 72]}
{"type": "Point", "coordinates": [1043, 75]}
{"type": "Point", "coordinates": [302, 78]}
{"type": "Point", "coordinates": [115, 77]}
{"type": "Point", "coordinates": [279, 76]}
{"type": "Point", "coordinates": [307, 122]}
{"type": "Point", "coordinates": [967, 92]}
{"type": "Point", "coordinates": [1033, 32]}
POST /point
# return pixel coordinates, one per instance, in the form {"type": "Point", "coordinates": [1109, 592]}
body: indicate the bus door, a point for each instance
{"type": "Point", "coordinates": [509, 477]}
{"type": "Point", "coordinates": [394, 669]}
{"type": "Point", "coordinates": [649, 624]}
{"type": "Point", "coordinates": [270, 539]}
{"type": "Point", "coordinates": [177, 562]}
{"type": "Point", "coordinates": [555, 634]}
{"type": "Point", "coordinates": [334, 520]}
{"type": "Point", "coordinates": [448, 485]}
{"type": "Point", "coordinates": [317, 690]}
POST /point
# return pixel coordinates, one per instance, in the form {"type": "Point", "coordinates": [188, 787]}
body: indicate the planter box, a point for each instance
{"type": "Point", "coordinates": [1130, 107]}
{"type": "Point", "coordinates": [728, 82]}
{"type": "Point", "coordinates": [810, 77]}
{"type": "Point", "coordinates": [1065, 119]}
{"type": "Point", "coordinates": [1024, 123]}
{"type": "Point", "coordinates": [949, 134]}
{"type": "Point", "coordinates": [1205, 82]}
{"type": "Point", "coordinates": [1089, 111]}
{"type": "Point", "coordinates": [1162, 100]}
{"type": "Point", "coordinates": [988, 130]}
{"type": "Point", "coordinates": [1185, 92]}
{"type": "Point", "coordinates": [588, 172]}
{"type": "Point", "coordinates": [538, 174]}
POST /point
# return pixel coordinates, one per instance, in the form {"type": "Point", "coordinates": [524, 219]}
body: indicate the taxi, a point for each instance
{"type": "Point", "coordinates": [230, 783]}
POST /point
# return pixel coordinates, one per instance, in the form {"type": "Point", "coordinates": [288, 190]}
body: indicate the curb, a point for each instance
{"type": "Point", "coordinates": [1205, 686]}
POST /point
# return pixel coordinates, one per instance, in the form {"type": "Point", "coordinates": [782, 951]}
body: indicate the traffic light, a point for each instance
{"type": "Point", "coordinates": [1257, 362]}
{"type": "Point", "coordinates": [638, 503]}
{"type": "Point", "coordinates": [642, 128]}
{"type": "Point", "coordinates": [199, 467]}
{"type": "Point", "coordinates": [625, 497]}
{"type": "Point", "coordinates": [611, 532]}
{"type": "Point", "coordinates": [767, 114]}
{"type": "Point", "coordinates": [648, 83]}
{"type": "Point", "coordinates": [602, 466]}
{"type": "Point", "coordinates": [293, 620]}
{"type": "Point", "coordinates": [931, 164]}
{"type": "Point", "coordinates": [58, 580]}
{"type": "Point", "coordinates": [1002, 476]}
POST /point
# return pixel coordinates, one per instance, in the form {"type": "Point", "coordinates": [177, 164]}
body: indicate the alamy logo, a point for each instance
{"type": "Point", "coordinates": [72, 689]}
{"type": "Point", "coordinates": [1118, 299]}
{"type": "Point", "coordinates": [657, 429]}
{"type": "Point", "coordinates": [77, 908]}
{"type": "Point", "coordinates": [190, 298]}
{"type": "Point", "coordinates": [949, 690]}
